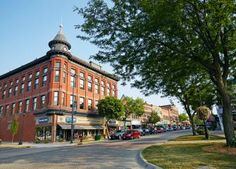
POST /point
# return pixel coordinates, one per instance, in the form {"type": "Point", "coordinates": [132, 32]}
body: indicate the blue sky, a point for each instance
{"type": "Point", "coordinates": [27, 26]}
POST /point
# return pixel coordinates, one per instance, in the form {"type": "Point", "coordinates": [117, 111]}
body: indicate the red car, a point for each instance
{"type": "Point", "coordinates": [131, 134]}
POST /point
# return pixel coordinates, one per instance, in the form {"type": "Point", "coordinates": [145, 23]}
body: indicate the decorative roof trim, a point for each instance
{"type": "Point", "coordinates": [47, 57]}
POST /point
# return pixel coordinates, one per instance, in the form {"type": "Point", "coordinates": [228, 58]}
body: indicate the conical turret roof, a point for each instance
{"type": "Point", "coordinates": [59, 44]}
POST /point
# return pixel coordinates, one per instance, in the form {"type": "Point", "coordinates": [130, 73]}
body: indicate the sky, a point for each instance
{"type": "Point", "coordinates": [27, 26]}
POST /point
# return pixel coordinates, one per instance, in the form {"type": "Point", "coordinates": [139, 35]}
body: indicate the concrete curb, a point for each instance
{"type": "Point", "coordinates": [144, 162]}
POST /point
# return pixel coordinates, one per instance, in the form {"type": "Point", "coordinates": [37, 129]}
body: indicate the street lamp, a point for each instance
{"type": "Point", "coordinates": [22, 129]}
{"type": "Point", "coordinates": [73, 110]}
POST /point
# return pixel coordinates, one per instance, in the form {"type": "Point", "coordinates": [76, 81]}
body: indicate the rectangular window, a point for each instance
{"type": "Point", "coordinates": [22, 88]}
{"type": "Point", "coordinates": [4, 94]}
{"type": "Point", "coordinates": [29, 86]}
{"type": "Point", "coordinates": [23, 78]}
{"type": "Point", "coordinates": [45, 70]}
{"type": "Point", "coordinates": [1, 110]}
{"type": "Point", "coordinates": [72, 98]}
{"type": "Point", "coordinates": [17, 81]}
{"type": "Point", "coordinates": [64, 77]}
{"type": "Point", "coordinates": [34, 103]}
{"type": "Point", "coordinates": [36, 83]}
{"type": "Point", "coordinates": [37, 74]}
{"type": "Point", "coordinates": [82, 84]}
{"type": "Point", "coordinates": [56, 99]}
{"type": "Point", "coordinates": [15, 90]}
{"type": "Point", "coordinates": [96, 104]}
{"type": "Point", "coordinates": [72, 78]}
{"type": "Point", "coordinates": [63, 98]}
{"type": "Point", "coordinates": [108, 89]}
{"type": "Point", "coordinates": [103, 90]}
{"type": "Point", "coordinates": [30, 76]}
{"type": "Point", "coordinates": [27, 102]}
{"type": "Point", "coordinates": [44, 82]}
{"type": "Point", "coordinates": [13, 108]}
{"type": "Point", "coordinates": [90, 78]}
{"type": "Point", "coordinates": [43, 101]}
{"type": "Point", "coordinates": [97, 88]}
{"type": "Point", "coordinates": [89, 104]}
{"type": "Point", "coordinates": [58, 65]}
{"type": "Point", "coordinates": [90, 86]}
{"type": "Point", "coordinates": [57, 76]}
{"type": "Point", "coordinates": [20, 107]}
{"type": "Point", "coordinates": [7, 109]}
{"type": "Point", "coordinates": [81, 103]}
{"type": "Point", "coordinates": [9, 92]}
{"type": "Point", "coordinates": [81, 75]}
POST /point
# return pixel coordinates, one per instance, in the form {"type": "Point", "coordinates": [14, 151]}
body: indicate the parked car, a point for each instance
{"type": "Point", "coordinates": [131, 134]}
{"type": "Point", "coordinates": [117, 135]}
{"type": "Point", "coordinates": [159, 130]}
{"type": "Point", "coordinates": [141, 132]}
{"type": "Point", "coordinates": [188, 127]}
{"type": "Point", "coordinates": [163, 127]}
{"type": "Point", "coordinates": [146, 131]}
{"type": "Point", "coordinates": [170, 129]}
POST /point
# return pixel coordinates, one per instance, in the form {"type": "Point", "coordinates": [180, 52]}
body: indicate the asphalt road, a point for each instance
{"type": "Point", "coordinates": [107, 155]}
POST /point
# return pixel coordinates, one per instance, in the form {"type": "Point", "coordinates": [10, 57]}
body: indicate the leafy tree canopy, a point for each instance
{"type": "Point", "coordinates": [183, 117]}
{"type": "Point", "coordinates": [133, 106]}
{"type": "Point", "coordinates": [111, 108]}
{"type": "Point", "coordinates": [183, 34]}
{"type": "Point", "coordinates": [154, 118]}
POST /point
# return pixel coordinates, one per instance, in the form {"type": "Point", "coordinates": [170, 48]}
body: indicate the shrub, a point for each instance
{"type": "Point", "coordinates": [200, 130]}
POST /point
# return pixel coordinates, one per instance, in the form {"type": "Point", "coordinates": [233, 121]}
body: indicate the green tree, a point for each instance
{"type": "Point", "coordinates": [154, 118]}
{"type": "Point", "coordinates": [110, 108]}
{"type": "Point", "coordinates": [132, 106]}
{"type": "Point", "coordinates": [135, 34]}
{"type": "Point", "coordinates": [14, 126]}
{"type": "Point", "coordinates": [183, 117]}
{"type": "Point", "coordinates": [203, 114]}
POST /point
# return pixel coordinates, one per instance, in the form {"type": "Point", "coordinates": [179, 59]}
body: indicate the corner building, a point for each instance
{"type": "Point", "coordinates": [39, 95]}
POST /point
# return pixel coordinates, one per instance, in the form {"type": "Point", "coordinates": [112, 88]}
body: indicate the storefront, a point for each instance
{"type": "Point", "coordinates": [88, 127]}
{"type": "Point", "coordinates": [43, 128]}
{"type": "Point", "coordinates": [58, 128]}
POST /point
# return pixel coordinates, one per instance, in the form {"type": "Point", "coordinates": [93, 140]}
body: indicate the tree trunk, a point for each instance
{"type": "Point", "coordinates": [228, 120]}
{"type": "Point", "coordinates": [192, 125]}
{"type": "Point", "coordinates": [12, 138]}
{"type": "Point", "coordinates": [206, 131]}
{"type": "Point", "coordinates": [108, 133]}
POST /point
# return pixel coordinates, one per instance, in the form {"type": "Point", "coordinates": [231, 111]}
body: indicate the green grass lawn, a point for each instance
{"type": "Point", "coordinates": [198, 137]}
{"type": "Point", "coordinates": [191, 156]}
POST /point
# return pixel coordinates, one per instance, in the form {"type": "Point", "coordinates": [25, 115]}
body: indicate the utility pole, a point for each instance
{"type": "Point", "coordinates": [74, 103]}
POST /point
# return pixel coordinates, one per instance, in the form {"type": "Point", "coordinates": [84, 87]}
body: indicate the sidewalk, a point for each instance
{"type": "Point", "coordinates": [47, 145]}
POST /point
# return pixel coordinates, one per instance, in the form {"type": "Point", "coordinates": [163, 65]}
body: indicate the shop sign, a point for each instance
{"type": "Point", "coordinates": [43, 120]}
{"type": "Point", "coordinates": [68, 120]}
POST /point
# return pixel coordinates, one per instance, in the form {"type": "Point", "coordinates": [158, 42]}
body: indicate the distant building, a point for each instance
{"type": "Point", "coordinates": [170, 114]}
{"type": "Point", "coordinates": [40, 94]}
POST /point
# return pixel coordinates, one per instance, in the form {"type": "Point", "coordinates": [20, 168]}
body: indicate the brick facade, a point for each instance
{"type": "Point", "coordinates": [41, 92]}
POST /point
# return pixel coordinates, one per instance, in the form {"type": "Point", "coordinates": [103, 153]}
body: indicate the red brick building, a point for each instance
{"type": "Point", "coordinates": [40, 93]}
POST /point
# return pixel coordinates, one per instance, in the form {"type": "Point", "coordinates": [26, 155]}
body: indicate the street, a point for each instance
{"type": "Point", "coordinates": [110, 154]}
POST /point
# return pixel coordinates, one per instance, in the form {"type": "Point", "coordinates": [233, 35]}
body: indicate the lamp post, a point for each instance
{"type": "Point", "coordinates": [22, 129]}
{"type": "Point", "coordinates": [73, 111]}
